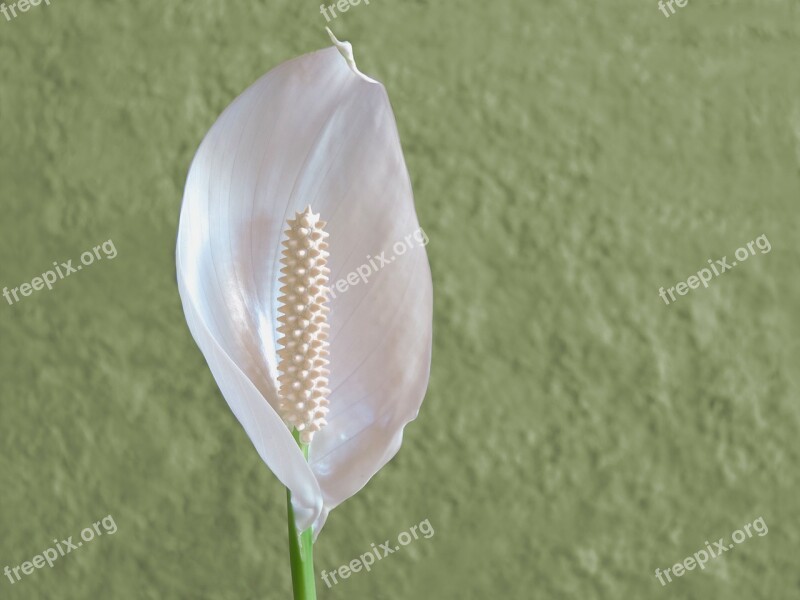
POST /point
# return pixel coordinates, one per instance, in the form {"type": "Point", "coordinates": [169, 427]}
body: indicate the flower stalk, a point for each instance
{"type": "Point", "coordinates": [301, 548]}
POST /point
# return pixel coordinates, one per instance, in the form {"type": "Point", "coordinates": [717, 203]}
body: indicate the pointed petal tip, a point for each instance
{"type": "Point", "coordinates": [346, 50]}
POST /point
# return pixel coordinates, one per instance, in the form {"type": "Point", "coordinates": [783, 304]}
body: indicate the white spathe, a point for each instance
{"type": "Point", "coordinates": [312, 132]}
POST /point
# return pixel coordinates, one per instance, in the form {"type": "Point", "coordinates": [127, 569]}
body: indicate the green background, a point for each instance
{"type": "Point", "coordinates": [568, 159]}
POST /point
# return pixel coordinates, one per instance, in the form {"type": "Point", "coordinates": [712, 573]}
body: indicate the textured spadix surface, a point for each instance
{"type": "Point", "coordinates": [312, 132]}
{"type": "Point", "coordinates": [303, 357]}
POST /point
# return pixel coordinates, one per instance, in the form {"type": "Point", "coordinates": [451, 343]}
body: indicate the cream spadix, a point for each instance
{"type": "Point", "coordinates": [313, 132]}
{"type": "Point", "coordinates": [303, 359]}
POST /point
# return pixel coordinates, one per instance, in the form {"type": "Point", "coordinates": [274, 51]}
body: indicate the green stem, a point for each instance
{"type": "Point", "coordinates": [301, 550]}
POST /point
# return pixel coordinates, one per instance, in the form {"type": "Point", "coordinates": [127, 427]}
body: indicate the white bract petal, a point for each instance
{"type": "Point", "coordinates": [312, 132]}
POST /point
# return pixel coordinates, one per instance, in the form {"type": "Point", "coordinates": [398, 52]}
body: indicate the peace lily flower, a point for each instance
{"type": "Point", "coordinates": [299, 180]}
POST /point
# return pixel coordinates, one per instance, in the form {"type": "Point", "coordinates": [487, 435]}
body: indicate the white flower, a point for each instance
{"type": "Point", "coordinates": [314, 132]}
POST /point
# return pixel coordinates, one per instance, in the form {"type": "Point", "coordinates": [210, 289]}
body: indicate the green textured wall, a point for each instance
{"type": "Point", "coordinates": [568, 159]}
